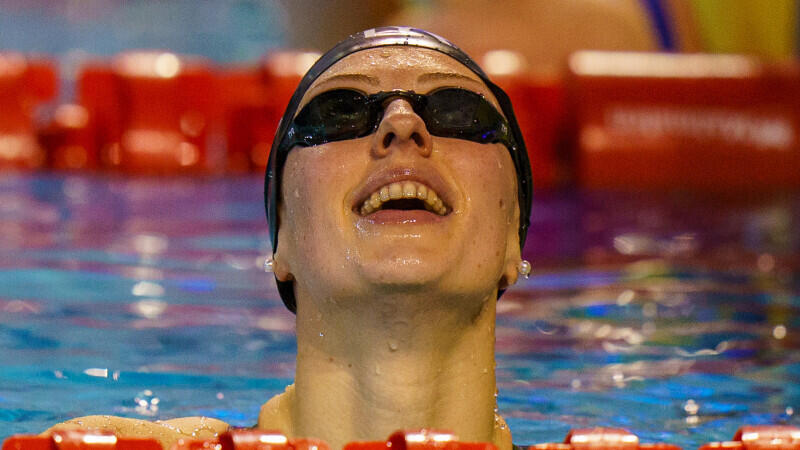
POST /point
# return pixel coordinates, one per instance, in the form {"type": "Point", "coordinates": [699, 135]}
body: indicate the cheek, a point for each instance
{"type": "Point", "coordinates": [488, 180]}
{"type": "Point", "coordinates": [300, 197]}
{"type": "Point", "coordinates": [316, 181]}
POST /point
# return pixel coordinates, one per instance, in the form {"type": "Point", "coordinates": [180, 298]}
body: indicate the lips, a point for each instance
{"type": "Point", "coordinates": [403, 192]}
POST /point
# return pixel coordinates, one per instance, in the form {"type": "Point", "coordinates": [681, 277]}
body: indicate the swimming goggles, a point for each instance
{"type": "Point", "coordinates": [343, 114]}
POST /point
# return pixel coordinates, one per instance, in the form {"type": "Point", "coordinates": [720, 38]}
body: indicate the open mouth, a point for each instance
{"type": "Point", "coordinates": [404, 196]}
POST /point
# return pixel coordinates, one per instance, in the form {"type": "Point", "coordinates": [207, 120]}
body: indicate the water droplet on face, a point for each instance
{"type": "Point", "coordinates": [377, 369]}
{"type": "Point", "coordinates": [321, 334]}
{"type": "Point", "coordinates": [393, 345]}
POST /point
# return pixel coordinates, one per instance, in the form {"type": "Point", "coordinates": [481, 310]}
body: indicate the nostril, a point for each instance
{"type": "Point", "coordinates": [387, 140]}
{"type": "Point", "coordinates": [418, 139]}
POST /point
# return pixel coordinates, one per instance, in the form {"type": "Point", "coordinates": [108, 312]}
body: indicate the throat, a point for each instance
{"type": "Point", "coordinates": [396, 377]}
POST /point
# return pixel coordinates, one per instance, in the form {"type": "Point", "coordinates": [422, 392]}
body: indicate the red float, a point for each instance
{"type": "Point", "coordinates": [761, 437]}
{"type": "Point", "coordinates": [25, 83]}
{"type": "Point", "coordinates": [79, 440]}
{"type": "Point", "coordinates": [256, 98]}
{"type": "Point", "coordinates": [163, 114]}
{"type": "Point", "coordinates": [677, 122]}
{"type": "Point", "coordinates": [541, 110]}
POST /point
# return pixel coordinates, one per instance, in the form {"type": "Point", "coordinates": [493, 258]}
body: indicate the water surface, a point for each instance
{"type": "Point", "coordinates": [673, 316]}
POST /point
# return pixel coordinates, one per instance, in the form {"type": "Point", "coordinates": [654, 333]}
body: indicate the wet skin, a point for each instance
{"type": "Point", "coordinates": [464, 252]}
{"type": "Point", "coordinates": [395, 307]}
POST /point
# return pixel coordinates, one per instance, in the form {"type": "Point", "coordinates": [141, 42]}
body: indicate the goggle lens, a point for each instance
{"type": "Point", "coordinates": [333, 116]}
{"type": "Point", "coordinates": [343, 114]}
{"type": "Point", "coordinates": [465, 115]}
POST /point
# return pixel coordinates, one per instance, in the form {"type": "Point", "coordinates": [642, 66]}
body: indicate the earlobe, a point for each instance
{"type": "Point", "coordinates": [513, 255]}
{"type": "Point", "coordinates": [509, 277]}
{"type": "Point", "coordinates": [511, 265]}
{"type": "Point", "coordinates": [281, 269]}
{"type": "Point", "coordinates": [280, 265]}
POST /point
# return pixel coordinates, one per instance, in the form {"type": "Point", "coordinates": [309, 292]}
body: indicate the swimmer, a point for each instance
{"type": "Point", "coordinates": [398, 196]}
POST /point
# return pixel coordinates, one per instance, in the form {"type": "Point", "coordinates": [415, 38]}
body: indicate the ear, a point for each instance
{"type": "Point", "coordinates": [513, 253]}
{"type": "Point", "coordinates": [281, 268]}
{"type": "Point", "coordinates": [280, 257]}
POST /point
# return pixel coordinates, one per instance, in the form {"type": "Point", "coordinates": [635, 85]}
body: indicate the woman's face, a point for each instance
{"type": "Point", "coordinates": [338, 242]}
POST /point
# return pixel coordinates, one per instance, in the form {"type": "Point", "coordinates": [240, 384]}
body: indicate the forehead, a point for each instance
{"type": "Point", "coordinates": [397, 67]}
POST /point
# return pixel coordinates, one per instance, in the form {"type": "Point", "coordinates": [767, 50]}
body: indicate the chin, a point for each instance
{"type": "Point", "coordinates": [404, 265]}
{"type": "Point", "coordinates": [405, 271]}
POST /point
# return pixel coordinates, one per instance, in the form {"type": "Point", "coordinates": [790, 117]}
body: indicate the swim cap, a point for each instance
{"type": "Point", "coordinates": [383, 37]}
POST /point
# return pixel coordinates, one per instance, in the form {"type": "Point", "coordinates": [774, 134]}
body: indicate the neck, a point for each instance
{"type": "Point", "coordinates": [397, 362]}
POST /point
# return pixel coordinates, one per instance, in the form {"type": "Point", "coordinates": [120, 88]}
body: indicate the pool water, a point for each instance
{"type": "Point", "coordinates": [676, 317]}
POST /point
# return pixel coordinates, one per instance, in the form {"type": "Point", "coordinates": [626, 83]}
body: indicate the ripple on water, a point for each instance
{"type": "Point", "coordinates": [677, 318]}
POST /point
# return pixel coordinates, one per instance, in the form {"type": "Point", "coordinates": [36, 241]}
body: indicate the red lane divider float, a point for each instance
{"type": "Point", "coordinates": [157, 112]}
{"type": "Point", "coordinates": [763, 437]}
{"type": "Point", "coordinates": [778, 437]}
{"type": "Point", "coordinates": [251, 440]}
{"type": "Point", "coordinates": [685, 121]}
{"type": "Point", "coordinates": [540, 105]}
{"type": "Point", "coordinates": [612, 120]}
{"type": "Point", "coordinates": [255, 98]}
{"type": "Point", "coordinates": [245, 439]}
{"type": "Point", "coordinates": [166, 104]}
{"type": "Point", "coordinates": [79, 440]}
{"type": "Point", "coordinates": [24, 84]}
{"type": "Point", "coordinates": [420, 440]}
{"type": "Point", "coordinates": [602, 439]}
{"type": "Point", "coordinates": [149, 112]}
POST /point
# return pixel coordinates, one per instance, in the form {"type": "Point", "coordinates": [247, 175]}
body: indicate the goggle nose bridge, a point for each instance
{"type": "Point", "coordinates": [384, 98]}
{"type": "Point", "coordinates": [417, 101]}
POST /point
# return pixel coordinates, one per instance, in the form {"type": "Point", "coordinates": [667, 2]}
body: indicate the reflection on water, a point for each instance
{"type": "Point", "coordinates": [674, 317]}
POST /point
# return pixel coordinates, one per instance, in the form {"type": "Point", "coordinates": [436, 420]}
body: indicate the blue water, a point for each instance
{"type": "Point", "coordinates": [673, 316]}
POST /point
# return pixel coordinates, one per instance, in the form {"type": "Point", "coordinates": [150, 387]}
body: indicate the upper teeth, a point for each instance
{"type": "Point", "coordinates": [400, 190]}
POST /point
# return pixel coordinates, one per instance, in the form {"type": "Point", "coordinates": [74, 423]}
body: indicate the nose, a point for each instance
{"type": "Point", "coordinates": [401, 128]}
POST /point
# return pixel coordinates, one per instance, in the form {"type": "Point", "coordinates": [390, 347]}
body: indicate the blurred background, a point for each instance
{"type": "Point", "coordinates": [184, 86]}
{"type": "Point", "coordinates": [664, 137]}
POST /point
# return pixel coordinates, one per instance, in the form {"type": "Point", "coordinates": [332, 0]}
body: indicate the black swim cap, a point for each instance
{"type": "Point", "coordinates": [383, 37]}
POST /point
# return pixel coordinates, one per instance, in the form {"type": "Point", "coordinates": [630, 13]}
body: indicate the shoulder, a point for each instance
{"type": "Point", "coordinates": [276, 414]}
{"type": "Point", "coordinates": [166, 432]}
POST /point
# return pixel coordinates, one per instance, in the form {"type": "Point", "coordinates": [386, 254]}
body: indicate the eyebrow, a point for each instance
{"type": "Point", "coordinates": [446, 76]}
{"type": "Point", "coordinates": [357, 77]}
